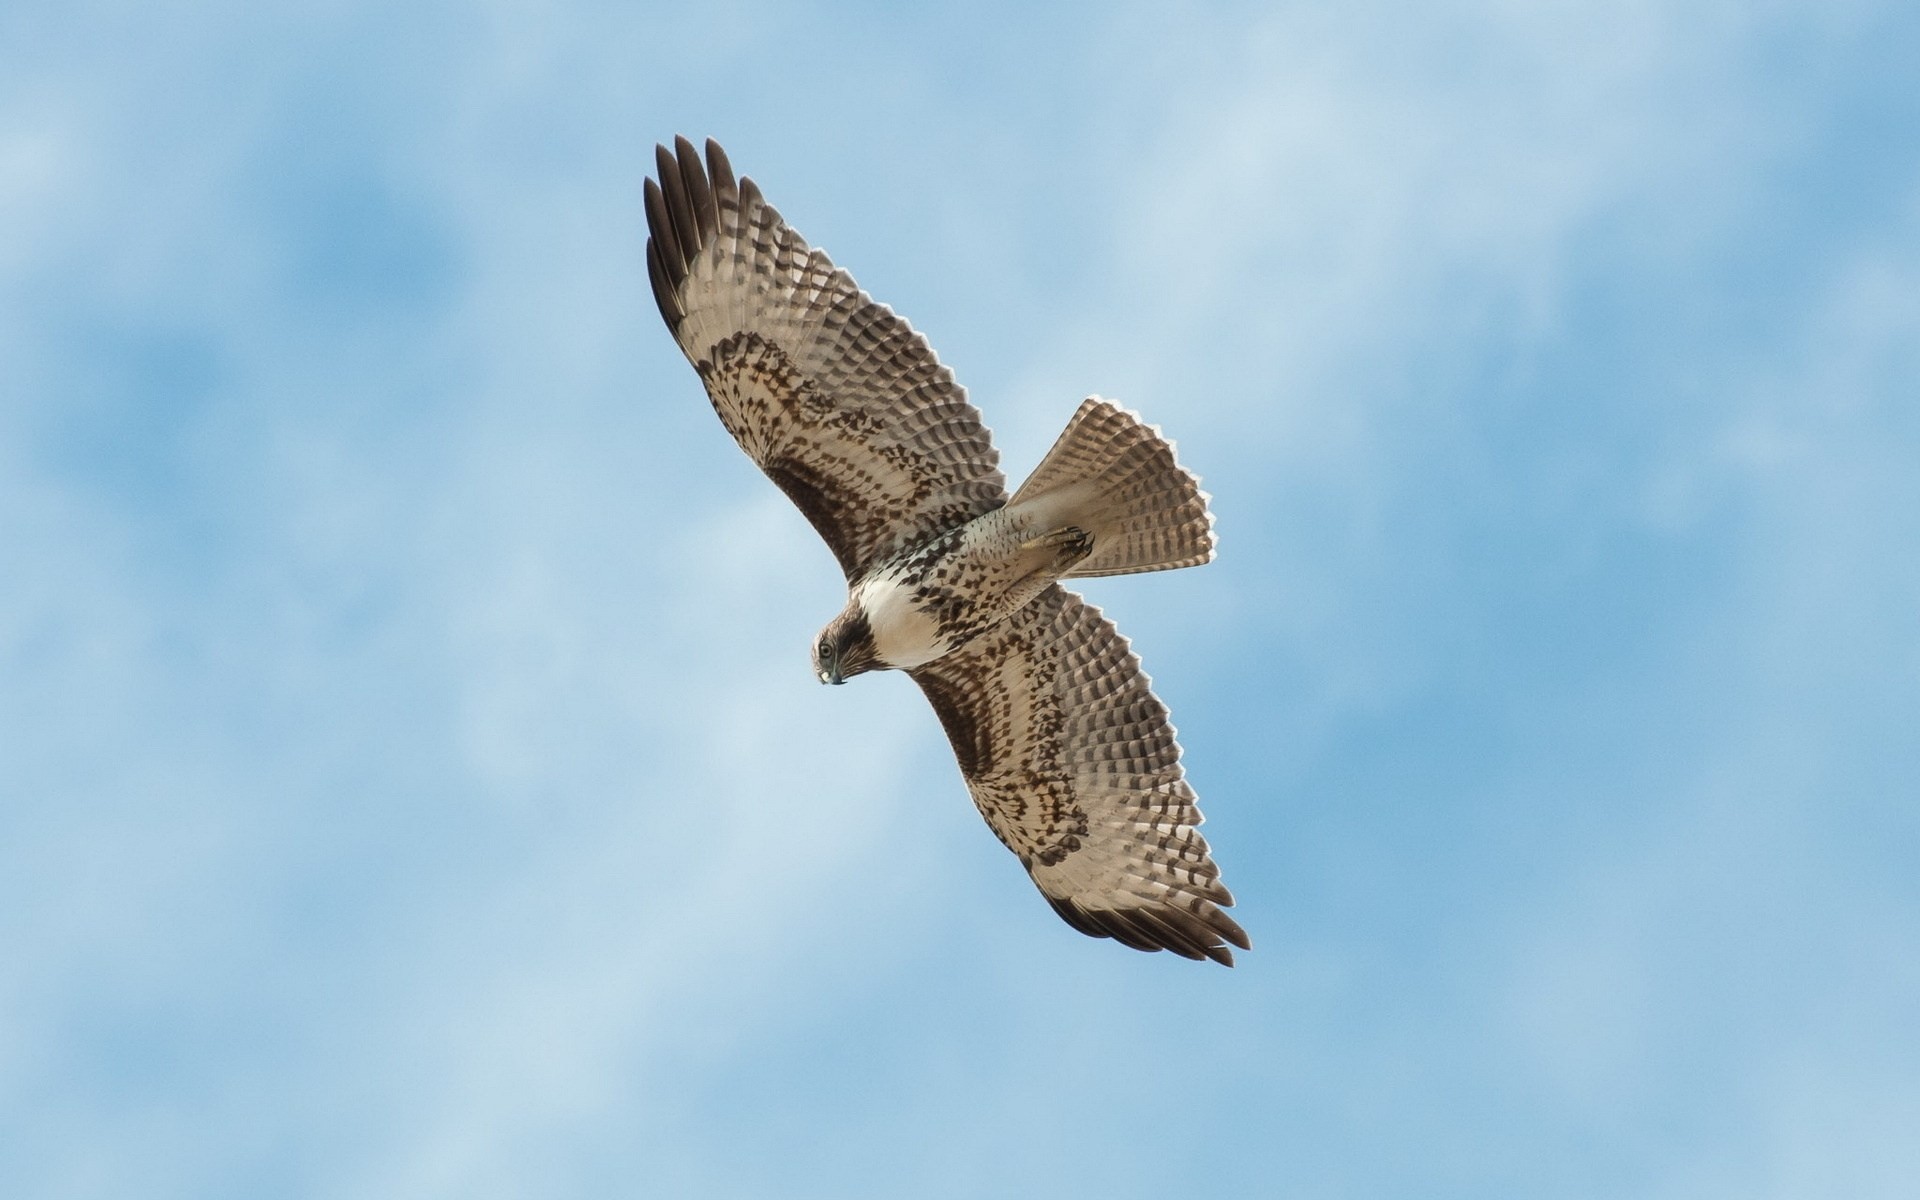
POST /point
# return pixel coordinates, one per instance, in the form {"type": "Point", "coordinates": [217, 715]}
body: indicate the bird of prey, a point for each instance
{"type": "Point", "coordinates": [1064, 747]}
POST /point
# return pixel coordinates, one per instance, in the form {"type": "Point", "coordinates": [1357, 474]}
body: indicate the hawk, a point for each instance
{"type": "Point", "coordinates": [1064, 747]}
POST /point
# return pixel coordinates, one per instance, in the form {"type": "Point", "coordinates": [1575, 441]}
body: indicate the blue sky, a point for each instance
{"type": "Point", "coordinates": [411, 779]}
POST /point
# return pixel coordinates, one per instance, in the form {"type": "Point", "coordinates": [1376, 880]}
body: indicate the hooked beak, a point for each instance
{"type": "Point", "coordinates": [830, 673]}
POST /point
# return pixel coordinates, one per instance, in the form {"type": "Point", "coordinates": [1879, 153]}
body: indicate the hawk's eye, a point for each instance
{"type": "Point", "coordinates": [826, 651]}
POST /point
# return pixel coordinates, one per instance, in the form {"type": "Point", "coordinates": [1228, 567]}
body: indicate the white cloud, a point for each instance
{"type": "Point", "coordinates": [397, 789]}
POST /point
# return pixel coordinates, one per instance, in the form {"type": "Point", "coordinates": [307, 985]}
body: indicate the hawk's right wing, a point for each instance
{"type": "Point", "coordinates": [837, 399]}
{"type": "Point", "coordinates": [1072, 761]}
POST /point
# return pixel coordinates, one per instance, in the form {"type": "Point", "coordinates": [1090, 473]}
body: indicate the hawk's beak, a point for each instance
{"type": "Point", "coordinates": [833, 674]}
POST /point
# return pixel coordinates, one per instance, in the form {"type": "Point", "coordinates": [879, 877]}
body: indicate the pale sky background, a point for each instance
{"type": "Point", "coordinates": [411, 779]}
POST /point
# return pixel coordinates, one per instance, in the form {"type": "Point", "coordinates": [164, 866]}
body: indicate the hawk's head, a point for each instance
{"type": "Point", "coordinates": [845, 648]}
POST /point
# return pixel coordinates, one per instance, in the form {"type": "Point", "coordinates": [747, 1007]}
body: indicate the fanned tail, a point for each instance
{"type": "Point", "coordinates": [1115, 477]}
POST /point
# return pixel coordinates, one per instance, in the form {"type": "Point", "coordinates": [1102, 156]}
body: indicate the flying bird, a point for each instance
{"type": "Point", "coordinates": [1063, 746]}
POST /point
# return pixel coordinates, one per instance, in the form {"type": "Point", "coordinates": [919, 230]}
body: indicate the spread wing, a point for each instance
{"type": "Point", "coordinates": [837, 399]}
{"type": "Point", "coordinates": [1072, 761]}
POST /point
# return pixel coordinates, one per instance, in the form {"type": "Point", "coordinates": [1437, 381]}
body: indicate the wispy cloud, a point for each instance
{"type": "Point", "coordinates": [413, 782]}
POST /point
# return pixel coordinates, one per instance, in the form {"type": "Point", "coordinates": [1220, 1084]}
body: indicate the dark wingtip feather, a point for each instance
{"type": "Point", "coordinates": [1198, 934]}
{"type": "Point", "coordinates": [673, 182]}
{"type": "Point", "coordinates": [705, 215]}
{"type": "Point", "coordinates": [1161, 934]}
{"type": "Point", "coordinates": [660, 227]}
{"type": "Point", "coordinates": [720, 169]}
{"type": "Point", "coordinates": [1070, 913]}
{"type": "Point", "coordinates": [663, 294]}
{"type": "Point", "coordinates": [683, 217]}
{"type": "Point", "coordinates": [666, 266]}
{"type": "Point", "coordinates": [1191, 936]}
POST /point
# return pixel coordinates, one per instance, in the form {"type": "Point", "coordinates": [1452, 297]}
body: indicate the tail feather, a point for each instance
{"type": "Point", "coordinates": [1115, 477]}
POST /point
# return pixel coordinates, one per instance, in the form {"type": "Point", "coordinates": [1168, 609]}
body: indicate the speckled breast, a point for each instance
{"type": "Point", "coordinates": [942, 593]}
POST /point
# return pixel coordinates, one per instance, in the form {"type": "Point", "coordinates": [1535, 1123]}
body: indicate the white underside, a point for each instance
{"type": "Point", "coordinates": [902, 634]}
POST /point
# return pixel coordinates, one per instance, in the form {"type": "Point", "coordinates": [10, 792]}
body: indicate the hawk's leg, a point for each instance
{"type": "Point", "coordinates": [1039, 560]}
{"type": "Point", "coordinates": [1058, 550]}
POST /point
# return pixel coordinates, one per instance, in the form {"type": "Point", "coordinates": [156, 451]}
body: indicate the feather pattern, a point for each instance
{"type": "Point", "coordinates": [1072, 761]}
{"type": "Point", "coordinates": [1114, 476]}
{"type": "Point", "coordinates": [1063, 746]}
{"type": "Point", "coordinates": [836, 398]}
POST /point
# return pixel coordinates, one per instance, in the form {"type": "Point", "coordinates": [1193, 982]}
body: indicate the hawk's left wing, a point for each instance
{"type": "Point", "coordinates": [1072, 761]}
{"type": "Point", "coordinates": [836, 398]}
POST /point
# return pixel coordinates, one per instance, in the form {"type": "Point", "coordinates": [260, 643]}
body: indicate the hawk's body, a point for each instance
{"type": "Point", "coordinates": [946, 591]}
{"type": "Point", "coordinates": [1064, 748]}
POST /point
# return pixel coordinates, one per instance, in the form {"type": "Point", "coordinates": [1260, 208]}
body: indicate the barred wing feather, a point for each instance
{"type": "Point", "coordinates": [1072, 761]}
{"type": "Point", "coordinates": [836, 398]}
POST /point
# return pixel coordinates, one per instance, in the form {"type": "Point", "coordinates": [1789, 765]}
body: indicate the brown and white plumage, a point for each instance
{"type": "Point", "coordinates": [1071, 759]}
{"type": "Point", "coordinates": [836, 398]}
{"type": "Point", "coordinates": [1066, 751]}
